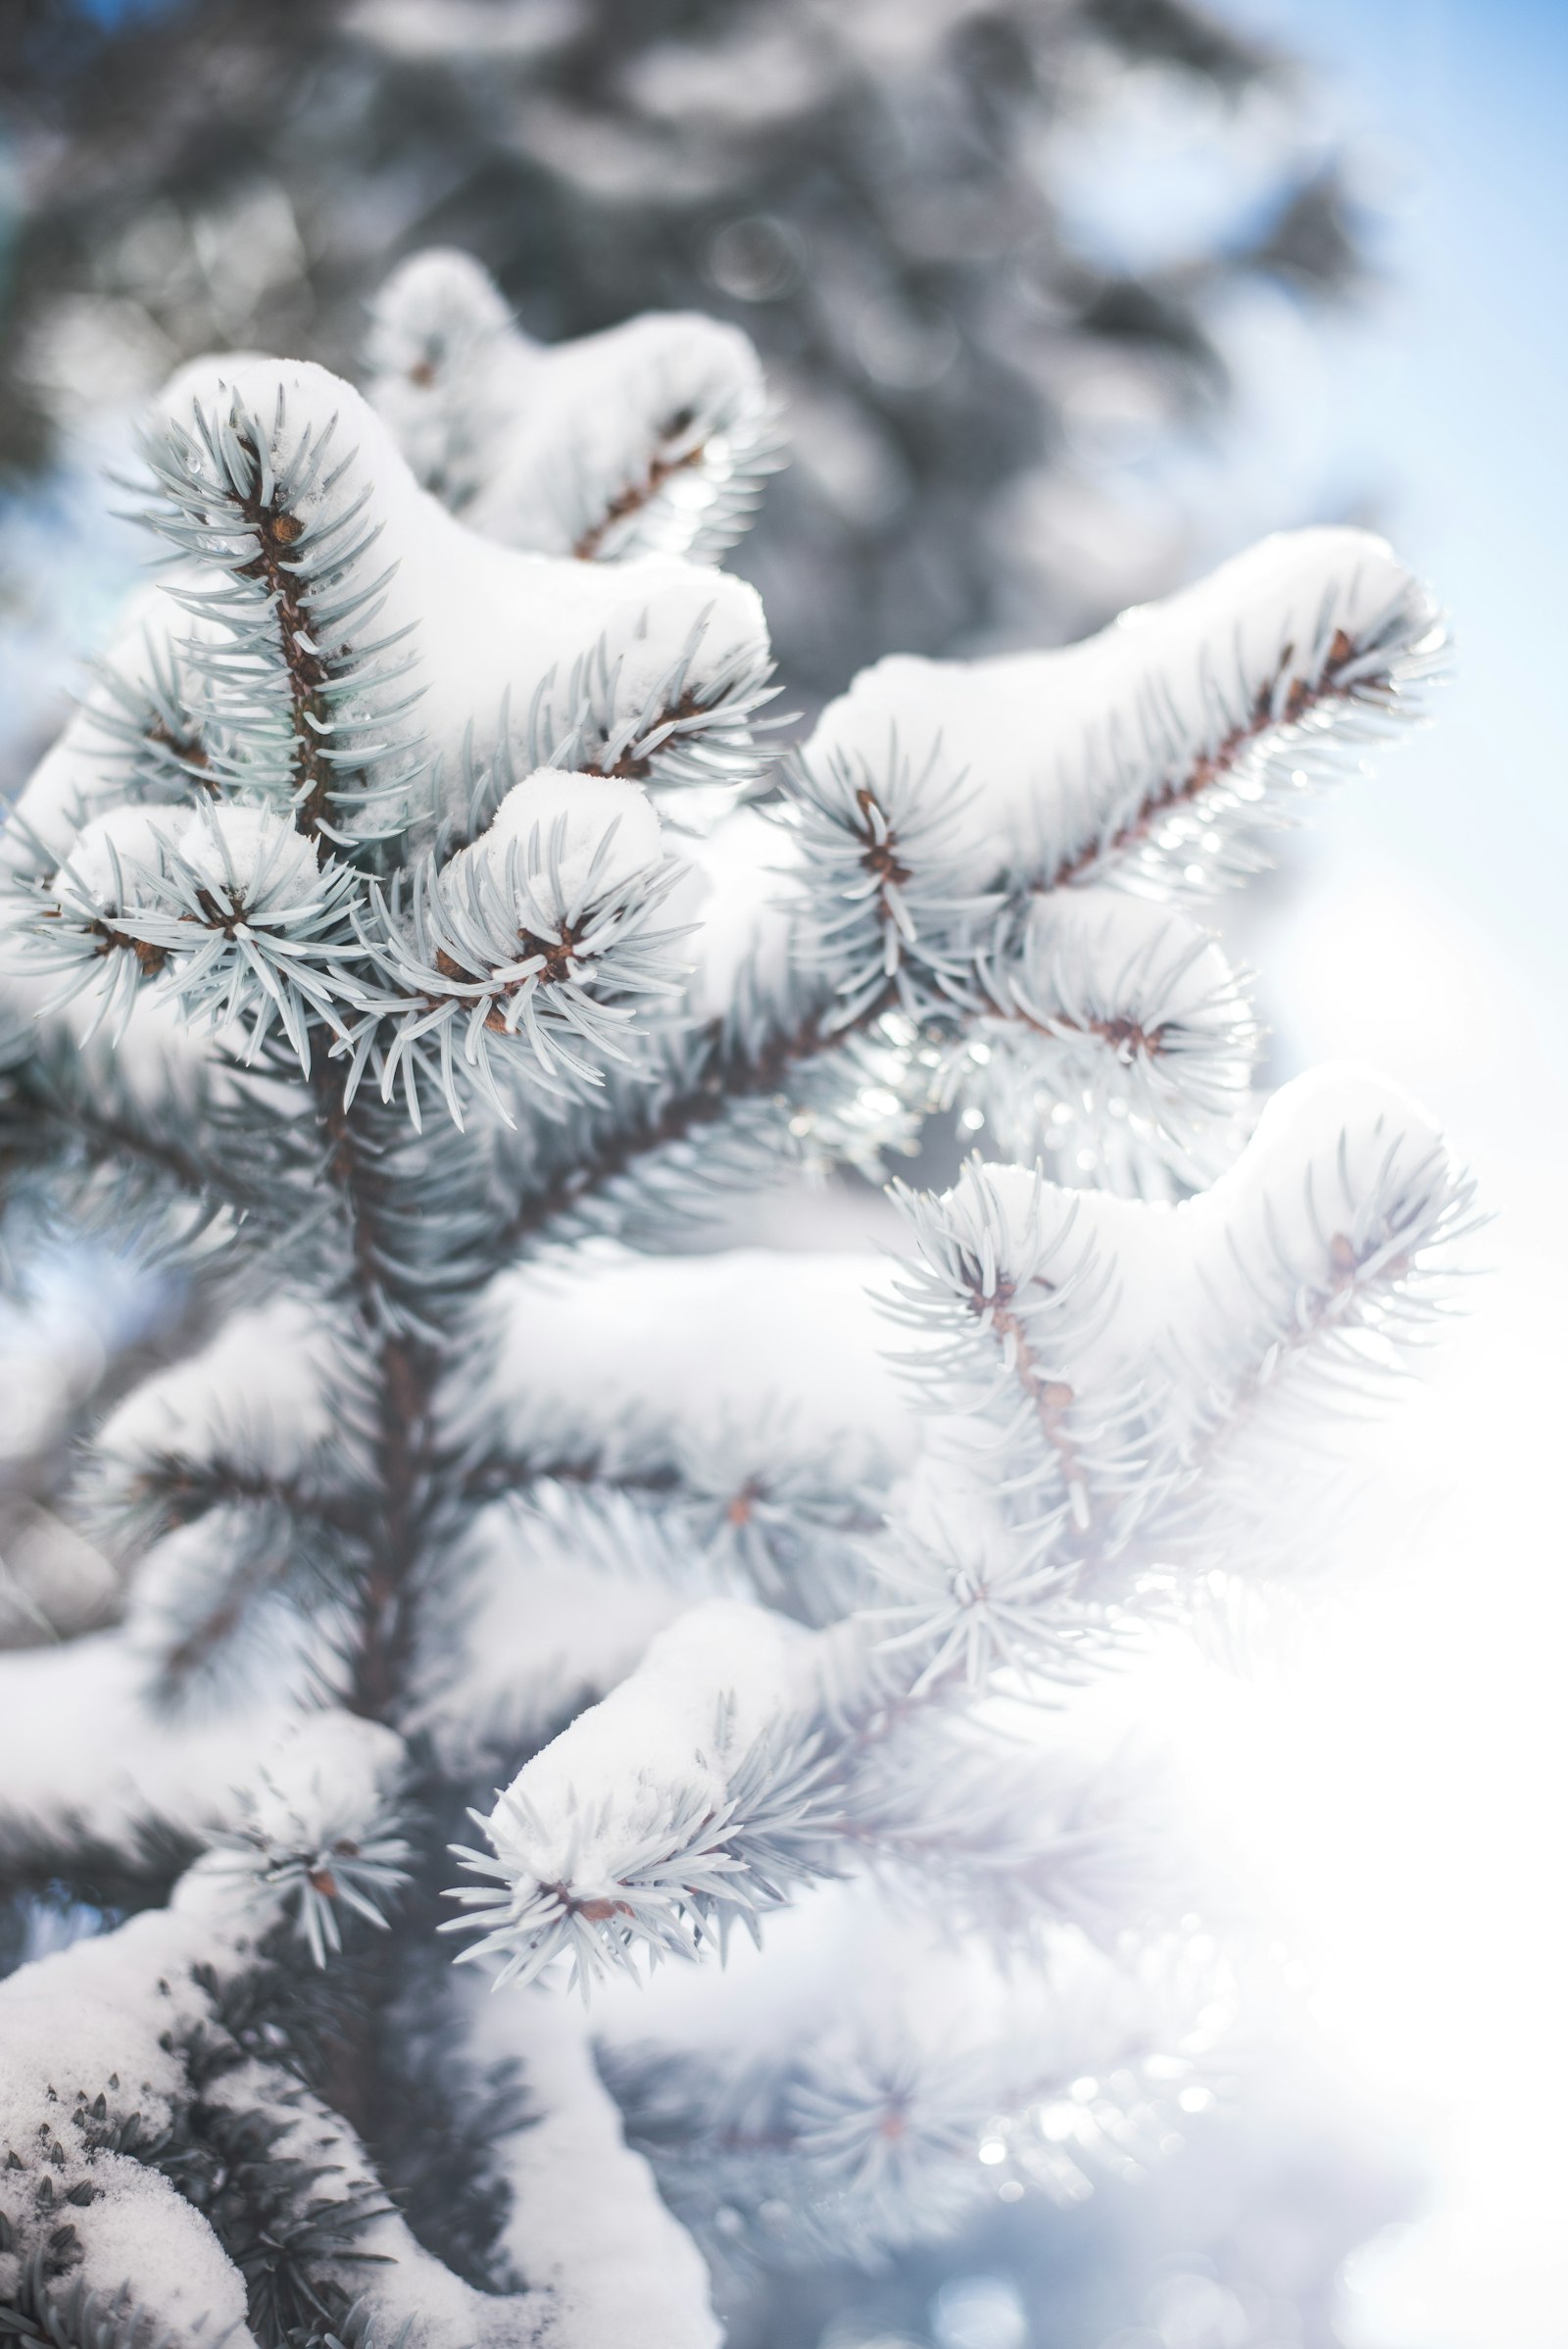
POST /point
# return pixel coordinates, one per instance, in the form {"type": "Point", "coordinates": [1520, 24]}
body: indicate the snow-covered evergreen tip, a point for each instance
{"type": "Point", "coordinates": [413, 944]}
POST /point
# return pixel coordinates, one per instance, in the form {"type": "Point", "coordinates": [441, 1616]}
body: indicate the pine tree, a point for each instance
{"type": "Point", "coordinates": [417, 940]}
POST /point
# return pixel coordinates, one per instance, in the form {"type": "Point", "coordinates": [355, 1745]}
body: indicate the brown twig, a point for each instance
{"type": "Point", "coordinates": [1305, 695]}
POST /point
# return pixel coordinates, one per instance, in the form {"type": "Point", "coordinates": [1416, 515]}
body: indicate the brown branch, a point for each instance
{"type": "Point", "coordinates": [499, 1478]}
{"type": "Point", "coordinates": [638, 494]}
{"type": "Point", "coordinates": [1305, 695]}
{"type": "Point", "coordinates": [401, 1450]}
{"type": "Point", "coordinates": [880, 856]}
{"type": "Point", "coordinates": [400, 1441]}
{"type": "Point", "coordinates": [1050, 1398]}
{"type": "Point", "coordinates": [724, 1080]}
{"type": "Point", "coordinates": [1125, 1035]}
{"type": "Point", "coordinates": [150, 959]}
{"type": "Point", "coordinates": [109, 1139]}
{"type": "Point", "coordinates": [277, 530]}
{"type": "Point", "coordinates": [184, 1492]}
{"type": "Point", "coordinates": [204, 1639]}
{"type": "Point", "coordinates": [704, 1104]}
{"type": "Point", "coordinates": [188, 751]}
{"type": "Point", "coordinates": [555, 960]}
{"type": "Point", "coordinates": [631, 769]}
{"type": "Point", "coordinates": [1343, 1289]}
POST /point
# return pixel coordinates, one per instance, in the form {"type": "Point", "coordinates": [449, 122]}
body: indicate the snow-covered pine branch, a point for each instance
{"type": "Point", "coordinates": [1118, 1026]}
{"type": "Point", "coordinates": [1158, 754]}
{"type": "Point", "coordinates": [896, 2115]}
{"type": "Point", "coordinates": [1103, 1376]}
{"type": "Point", "coordinates": [655, 438]}
{"type": "Point", "coordinates": [959, 848]}
{"type": "Point", "coordinates": [412, 939]}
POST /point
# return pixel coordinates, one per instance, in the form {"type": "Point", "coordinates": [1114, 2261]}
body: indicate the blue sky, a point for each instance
{"type": "Point", "coordinates": [1466, 98]}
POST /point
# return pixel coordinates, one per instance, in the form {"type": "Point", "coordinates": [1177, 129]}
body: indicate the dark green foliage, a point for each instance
{"type": "Point", "coordinates": [432, 2119]}
{"type": "Point", "coordinates": [232, 2165]}
{"type": "Point", "coordinates": [367, 2037]}
{"type": "Point", "coordinates": [232, 2161]}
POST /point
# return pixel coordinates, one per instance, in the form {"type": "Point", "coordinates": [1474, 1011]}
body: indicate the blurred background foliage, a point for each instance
{"type": "Point", "coordinates": [1000, 257]}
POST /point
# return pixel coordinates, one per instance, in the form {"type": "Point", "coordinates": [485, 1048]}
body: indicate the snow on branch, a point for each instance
{"type": "Point", "coordinates": [955, 848]}
{"type": "Point", "coordinates": [543, 933]}
{"type": "Point", "coordinates": [230, 902]}
{"type": "Point", "coordinates": [761, 1442]}
{"type": "Point", "coordinates": [678, 1449]}
{"type": "Point", "coordinates": [631, 668]}
{"type": "Point", "coordinates": [1157, 755]}
{"type": "Point", "coordinates": [87, 1767]}
{"type": "Point", "coordinates": [605, 2259]}
{"type": "Point", "coordinates": [699, 1792]}
{"type": "Point", "coordinates": [1117, 1372]}
{"type": "Point", "coordinates": [1316, 1272]}
{"type": "Point", "coordinates": [655, 438]}
{"type": "Point", "coordinates": [1092, 1360]}
{"type": "Point", "coordinates": [686, 1800]}
{"type": "Point", "coordinates": [121, 2109]}
{"type": "Point", "coordinates": [1115, 1032]}
{"type": "Point", "coordinates": [165, 2165]}
{"type": "Point", "coordinates": [319, 1828]}
{"type": "Point", "coordinates": [280, 525]}
{"type": "Point", "coordinates": [331, 663]}
{"type": "Point", "coordinates": [550, 1599]}
{"type": "Point", "coordinates": [267, 1413]}
{"type": "Point", "coordinates": [748, 1341]}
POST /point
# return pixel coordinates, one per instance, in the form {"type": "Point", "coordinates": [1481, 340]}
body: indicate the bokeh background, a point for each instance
{"type": "Point", "coordinates": [1303, 262]}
